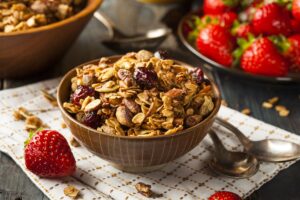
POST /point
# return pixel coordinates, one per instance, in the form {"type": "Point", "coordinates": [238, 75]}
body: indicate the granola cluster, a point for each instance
{"type": "Point", "coordinates": [18, 15]}
{"type": "Point", "coordinates": [140, 94]}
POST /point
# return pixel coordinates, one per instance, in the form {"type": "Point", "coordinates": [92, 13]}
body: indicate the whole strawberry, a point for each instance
{"type": "Point", "coordinates": [218, 6]}
{"type": "Point", "coordinates": [215, 42]}
{"type": "Point", "coordinates": [243, 30]}
{"type": "Point", "coordinates": [296, 9]}
{"type": "Point", "coordinates": [293, 52]}
{"type": "Point", "coordinates": [262, 57]}
{"type": "Point", "coordinates": [224, 195]}
{"type": "Point", "coordinates": [272, 19]}
{"type": "Point", "coordinates": [48, 154]}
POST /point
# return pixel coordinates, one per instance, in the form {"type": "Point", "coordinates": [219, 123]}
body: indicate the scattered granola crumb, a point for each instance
{"type": "Point", "coordinates": [63, 125]}
{"type": "Point", "coordinates": [246, 111]}
{"type": "Point", "coordinates": [145, 190]}
{"type": "Point", "coordinates": [71, 191]}
{"type": "Point", "coordinates": [74, 142]}
{"type": "Point", "coordinates": [113, 175]}
{"type": "Point", "coordinates": [273, 100]}
{"type": "Point", "coordinates": [267, 105]}
{"type": "Point", "coordinates": [18, 116]}
{"type": "Point", "coordinates": [52, 100]}
{"type": "Point", "coordinates": [282, 111]}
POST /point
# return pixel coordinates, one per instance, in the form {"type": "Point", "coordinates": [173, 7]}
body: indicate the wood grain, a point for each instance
{"type": "Point", "coordinates": [238, 93]}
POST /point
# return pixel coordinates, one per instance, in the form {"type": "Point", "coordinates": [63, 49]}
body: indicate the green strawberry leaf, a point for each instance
{"type": "Point", "coordinates": [231, 3]}
{"type": "Point", "coordinates": [243, 45]}
{"type": "Point", "coordinates": [31, 135]}
{"type": "Point", "coordinates": [281, 42]}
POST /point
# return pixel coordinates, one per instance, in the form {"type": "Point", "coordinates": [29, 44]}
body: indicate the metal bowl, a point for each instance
{"type": "Point", "coordinates": [212, 65]}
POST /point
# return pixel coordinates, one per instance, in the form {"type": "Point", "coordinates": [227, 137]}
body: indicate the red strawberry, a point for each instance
{"type": "Point", "coordinates": [48, 154]}
{"type": "Point", "coordinates": [227, 19]}
{"type": "Point", "coordinates": [262, 57]}
{"type": "Point", "coordinates": [296, 9]}
{"type": "Point", "coordinates": [272, 19]}
{"type": "Point", "coordinates": [243, 30]}
{"type": "Point", "coordinates": [215, 42]}
{"type": "Point", "coordinates": [218, 6]}
{"type": "Point", "coordinates": [295, 25]}
{"type": "Point", "coordinates": [224, 195]}
{"type": "Point", "coordinates": [293, 52]}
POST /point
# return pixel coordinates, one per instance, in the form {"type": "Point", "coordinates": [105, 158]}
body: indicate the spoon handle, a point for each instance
{"type": "Point", "coordinates": [106, 22]}
{"type": "Point", "coordinates": [243, 139]}
{"type": "Point", "coordinates": [219, 147]}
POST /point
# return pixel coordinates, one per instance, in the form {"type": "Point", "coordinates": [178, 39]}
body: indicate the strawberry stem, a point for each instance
{"type": "Point", "coordinates": [243, 45]}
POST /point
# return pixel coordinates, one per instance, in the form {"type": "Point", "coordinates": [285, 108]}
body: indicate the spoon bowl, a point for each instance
{"type": "Point", "coordinates": [271, 150]}
{"type": "Point", "coordinates": [232, 164]}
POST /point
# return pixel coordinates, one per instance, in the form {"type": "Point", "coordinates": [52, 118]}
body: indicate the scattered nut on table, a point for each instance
{"type": "Point", "coordinates": [72, 192]}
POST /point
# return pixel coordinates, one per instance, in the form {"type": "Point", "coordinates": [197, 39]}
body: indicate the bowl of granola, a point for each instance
{"type": "Point", "coordinates": [138, 111]}
{"type": "Point", "coordinates": [34, 34]}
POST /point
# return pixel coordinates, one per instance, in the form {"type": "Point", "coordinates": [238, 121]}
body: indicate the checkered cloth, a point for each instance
{"type": "Point", "coordinates": [185, 178]}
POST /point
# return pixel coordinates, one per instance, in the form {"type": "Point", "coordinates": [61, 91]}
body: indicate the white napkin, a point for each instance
{"type": "Point", "coordinates": [185, 178]}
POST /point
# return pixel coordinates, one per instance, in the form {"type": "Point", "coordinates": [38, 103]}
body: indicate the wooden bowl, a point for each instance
{"type": "Point", "coordinates": [134, 154]}
{"type": "Point", "coordinates": [25, 52]}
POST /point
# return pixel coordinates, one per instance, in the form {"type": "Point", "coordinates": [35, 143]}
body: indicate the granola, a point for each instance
{"type": "Point", "coordinates": [71, 191]}
{"type": "Point", "coordinates": [18, 15]}
{"type": "Point", "coordinates": [139, 95]}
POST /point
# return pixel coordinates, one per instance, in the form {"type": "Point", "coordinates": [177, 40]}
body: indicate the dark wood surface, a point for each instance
{"type": "Point", "coordinates": [238, 93]}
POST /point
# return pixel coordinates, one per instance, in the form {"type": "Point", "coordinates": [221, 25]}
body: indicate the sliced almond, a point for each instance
{"type": "Point", "coordinates": [93, 105]}
{"type": "Point", "coordinates": [267, 105]}
{"type": "Point", "coordinates": [138, 118]}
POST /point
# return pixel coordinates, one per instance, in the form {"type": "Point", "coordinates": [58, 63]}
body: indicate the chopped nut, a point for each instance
{"type": "Point", "coordinates": [71, 191]}
{"type": "Point", "coordinates": [63, 125]}
{"type": "Point", "coordinates": [267, 105]}
{"type": "Point", "coordinates": [145, 190]}
{"type": "Point", "coordinates": [273, 100]}
{"type": "Point", "coordinates": [246, 111]}
{"type": "Point", "coordinates": [74, 142]}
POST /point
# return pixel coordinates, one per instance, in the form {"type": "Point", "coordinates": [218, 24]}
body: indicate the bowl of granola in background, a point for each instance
{"type": "Point", "coordinates": [31, 39]}
{"type": "Point", "coordinates": [138, 111]}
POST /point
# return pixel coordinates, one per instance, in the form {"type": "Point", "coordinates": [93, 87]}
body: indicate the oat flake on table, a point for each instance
{"type": "Point", "coordinates": [185, 178]}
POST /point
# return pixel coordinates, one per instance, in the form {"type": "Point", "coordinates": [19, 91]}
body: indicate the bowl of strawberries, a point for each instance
{"type": "Point", "coordinates": [251, 38]}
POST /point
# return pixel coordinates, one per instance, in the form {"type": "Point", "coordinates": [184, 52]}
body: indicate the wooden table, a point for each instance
{"type": "Point", "coordinates": [238, 93]}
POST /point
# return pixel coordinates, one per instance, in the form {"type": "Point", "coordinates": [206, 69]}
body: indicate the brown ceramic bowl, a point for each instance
{"type": "Point", "coordinates": [25, 52]}
{"type": "Point", "coordinates": [134, 154]}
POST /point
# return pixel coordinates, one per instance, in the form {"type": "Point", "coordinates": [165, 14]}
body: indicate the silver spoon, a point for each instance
{"type": "Point", "coordinates": [118, 40]}
{"type": "Point", "coordinates": [232, 164]}
{"type": "Point", "coordinates": [272, 150]}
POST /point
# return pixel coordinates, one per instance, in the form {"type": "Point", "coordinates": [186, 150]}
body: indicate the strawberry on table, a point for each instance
{"type": "Point", "coordinates": [272, 19]}
{"type": "Point", "coordinates": [224, 195]}
{"type": "Point", "coordinates": [215, 42]}
{"type": "Point", "coordinates": [260, 56]}
{"type": "Point", "coordinates": [48, 154]}
{"type": "Point", "coordinates": [219, 6]}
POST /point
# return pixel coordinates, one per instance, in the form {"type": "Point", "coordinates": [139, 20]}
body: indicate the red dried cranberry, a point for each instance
{"type": "Point", "coordinates": [161, 54]}
{"type": "Point", "coordinates": [145, 78]}
{"type": "Point", "coordinates": [80, 93]}
{"type": "Point", "coordinates": [198, 76]}
{"type": "Point", "coordinates": [91, 119]}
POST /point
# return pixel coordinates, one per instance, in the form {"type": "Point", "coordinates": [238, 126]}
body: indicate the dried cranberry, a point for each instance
{"type": "Point", "coordinates": [145, 78]}
{"type": "Point", "coordinates": [91, 119]}
{"type": "Point", "coordinates": [80, 93]}
{"type": "Point", "coordinates": [161, 54]}
{"type": "Point", "coordinates": [198, 76]}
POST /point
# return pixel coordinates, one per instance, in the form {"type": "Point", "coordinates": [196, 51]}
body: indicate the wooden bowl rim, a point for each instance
{"type": "Point", "coordinates": [68, 75]}
{"type": "Point", "coordinates": [91, 6]}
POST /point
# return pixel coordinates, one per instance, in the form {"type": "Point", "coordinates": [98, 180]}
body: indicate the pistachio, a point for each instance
{"type": "Point", "coordinates": [131, 105]}
{"type": "Point", "coordinates": [124, 116]}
